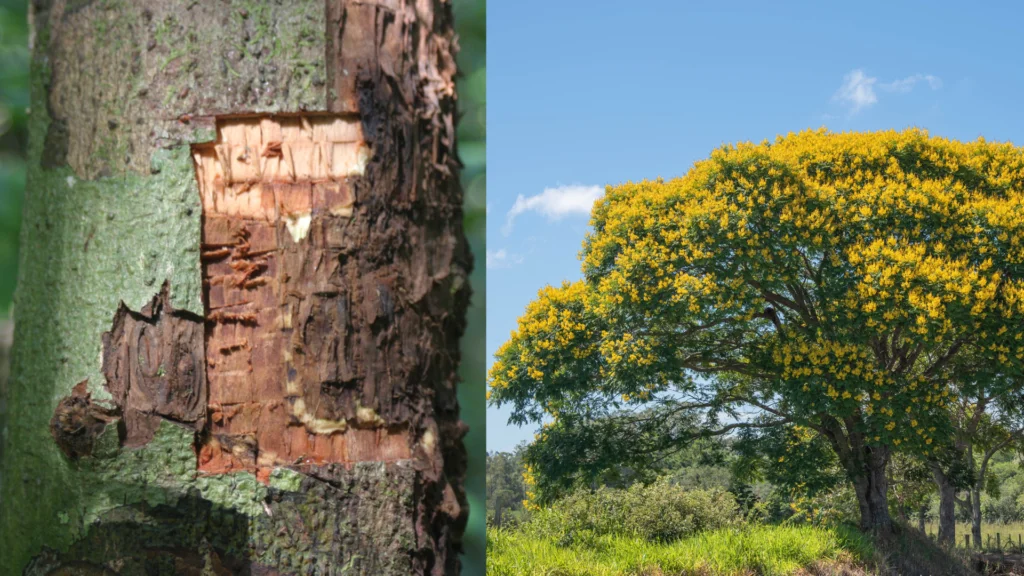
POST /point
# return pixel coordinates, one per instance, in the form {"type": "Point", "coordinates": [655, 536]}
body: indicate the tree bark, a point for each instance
{"type": "Point", "coordinates": [975, 500]}
{"type": "Point", "coordinates": [498, 509]}
{"type": "Point", "coordinates": [242, 288]}
{"type": "Point", "coordinates": [978, 486]}
{"type": "Point", "coordinates": [865, 466]}
{"type": "Point", "coordinates": [947, 507]}
{"type": "Point", "coordinates": [871, 487]}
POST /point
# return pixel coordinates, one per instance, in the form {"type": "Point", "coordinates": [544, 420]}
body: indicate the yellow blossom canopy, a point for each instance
{"type": "Point", "coordinates": [831, 279]}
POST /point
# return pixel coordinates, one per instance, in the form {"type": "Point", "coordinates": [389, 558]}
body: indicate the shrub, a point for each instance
{"type": "Point", "coordinates": [657, 512]}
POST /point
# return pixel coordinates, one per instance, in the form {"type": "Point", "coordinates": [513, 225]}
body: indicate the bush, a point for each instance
{"type": "Point", "coordinates": [657, 512]}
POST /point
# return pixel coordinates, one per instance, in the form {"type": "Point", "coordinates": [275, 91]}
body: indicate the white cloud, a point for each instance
{"type": "Point", "coordinates": [858, 89]}
{"type": "Point", "coordinates": [907, 84]}
{"type": "Point", "coordinates": [555, 203]}
{"type": "Point", "coordinates": [502, 259]}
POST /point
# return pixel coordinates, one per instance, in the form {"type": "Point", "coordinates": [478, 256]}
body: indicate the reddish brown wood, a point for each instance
{"type": "Point", "coordinates": [279, 349]}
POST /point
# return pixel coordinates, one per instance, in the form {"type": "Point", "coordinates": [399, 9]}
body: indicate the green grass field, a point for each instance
{"type": "Point", "coordinates": [760, 550]}
{"type": "Point", "coordinates": [1014, 531]}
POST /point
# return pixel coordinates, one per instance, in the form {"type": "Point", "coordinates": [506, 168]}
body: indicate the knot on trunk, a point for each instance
{"type": "Point", "coordinates": [77, 422]}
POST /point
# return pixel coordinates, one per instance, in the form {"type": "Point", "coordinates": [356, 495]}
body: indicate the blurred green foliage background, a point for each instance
{"type": "Point", "coordinates": [13, 137]}
{"type": "Point", "coordinates": [470, 19]}
{"type": "Point", "coordinates": [470, 23]}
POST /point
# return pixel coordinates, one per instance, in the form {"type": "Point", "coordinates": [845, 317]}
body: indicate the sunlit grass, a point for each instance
{"type": "Point", "coordinates": [761, 550]}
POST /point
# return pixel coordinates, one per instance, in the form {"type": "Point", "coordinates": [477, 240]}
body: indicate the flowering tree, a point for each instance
{"type": "Point", "coordinates": [831, 281]}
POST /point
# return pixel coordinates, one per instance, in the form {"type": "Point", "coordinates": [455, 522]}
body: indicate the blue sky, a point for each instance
{"type": "Point", "coordinates": [585, 94]}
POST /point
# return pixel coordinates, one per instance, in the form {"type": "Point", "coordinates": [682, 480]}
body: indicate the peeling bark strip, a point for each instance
{"type": "Point", "coordinates": [393, 63]}
{"type": "Point", "coordinates": [154, 366]}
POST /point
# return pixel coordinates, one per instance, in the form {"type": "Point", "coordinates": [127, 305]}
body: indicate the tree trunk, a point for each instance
{"type": "Point", "coordinates": [947, 507]}
{"type": "Point", "coordinates": [241, 293]}
{"type": "Point", "coordinates": [871, 487]}
{"type": "Point", "coordinates": [498, 509]}
{"type": "Point", "coordinates": [921, 518]}
{"type": "Point", "coordinates": [979, 485]}
{"type": "Point", "coordinates": [975, 500]}
{"type": "Point", "coordinates": [865, 466]}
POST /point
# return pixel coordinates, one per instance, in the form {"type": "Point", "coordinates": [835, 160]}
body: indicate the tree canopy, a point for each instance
{"type": "Point", "coordinates": [852, 283]}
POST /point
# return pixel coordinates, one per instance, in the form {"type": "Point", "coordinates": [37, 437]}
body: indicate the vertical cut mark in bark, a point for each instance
{"type": "Point", "coordinates": [276, 202]}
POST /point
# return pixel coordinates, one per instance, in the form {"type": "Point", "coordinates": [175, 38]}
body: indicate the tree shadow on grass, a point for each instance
{"type": "Point", "coordinates": [911, 552]}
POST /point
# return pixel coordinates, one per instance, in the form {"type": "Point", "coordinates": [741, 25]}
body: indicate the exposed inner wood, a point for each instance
{"type": "Point", "coordinates": [276, 198]}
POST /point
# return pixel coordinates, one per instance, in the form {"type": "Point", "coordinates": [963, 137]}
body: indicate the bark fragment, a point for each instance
{"type": "Point", "coordinates": [154, 365]}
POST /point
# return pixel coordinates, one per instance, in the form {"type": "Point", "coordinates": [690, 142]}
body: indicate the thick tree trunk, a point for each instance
{"type": "Point", "coordinates": [242, 289]}
{"type": "Point", "coordinates": [871, 487]}
{"type": "Point", "coordinates": [865, 466]}
{"type": "Point", "coordinates": [947, 507]}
